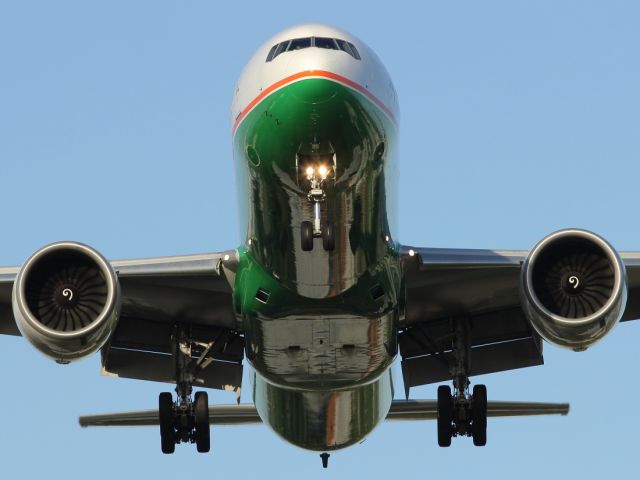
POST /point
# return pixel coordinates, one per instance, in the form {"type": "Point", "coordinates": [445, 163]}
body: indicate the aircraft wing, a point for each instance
{"type": "Point", "coordinates": [482, 287]}
{"type": "Point", "coordinates": [7, 324]}
{"type": "Point", "coordinates": [156, 294]}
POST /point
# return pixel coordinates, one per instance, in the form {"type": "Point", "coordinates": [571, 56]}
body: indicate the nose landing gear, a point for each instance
{"type": "Point", "coordinates": [316, 164]}
{"type": "Point", "coordinates": [309, 230]}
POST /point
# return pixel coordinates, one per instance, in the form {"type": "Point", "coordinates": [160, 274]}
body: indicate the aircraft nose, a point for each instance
{"type": "Point", "coordinates": [314, 90]}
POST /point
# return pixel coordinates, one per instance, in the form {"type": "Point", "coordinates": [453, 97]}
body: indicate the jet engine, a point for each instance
{"type": "Point", "coordinates": [573, 288]}
{"type": "Point", "coordinates": [66, 300]}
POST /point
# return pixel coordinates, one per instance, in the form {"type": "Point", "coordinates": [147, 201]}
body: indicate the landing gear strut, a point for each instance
{"type": "Point", "coordinates": [185, 420]}
{"type": "Point", "coordinates": [315, 229]}
{"type": "Point", "coordinates": [462, 414]}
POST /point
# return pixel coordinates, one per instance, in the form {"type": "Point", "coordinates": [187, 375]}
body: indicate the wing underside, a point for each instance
{"type": "Point", "coordinates": [192, 292]}
{"type": "Point", "coordinates": [480, 288]}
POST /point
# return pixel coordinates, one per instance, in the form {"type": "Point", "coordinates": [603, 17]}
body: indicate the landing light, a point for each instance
{"type": "Point", "coordinates": [323, 171]}
{"type": "Point", "coordinates": [309, 171]}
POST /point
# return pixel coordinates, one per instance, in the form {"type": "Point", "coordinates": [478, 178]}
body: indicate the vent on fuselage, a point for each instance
{"type": "Point", "coordinates": [262, 295]}
{"type": "Point", "coordinates": [377, 292]}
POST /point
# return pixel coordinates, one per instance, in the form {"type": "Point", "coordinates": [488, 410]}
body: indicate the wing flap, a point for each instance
{"type": "Point", "coordinates": [509, 355]}
{"type": "Point", "coordinates": [160, 367]}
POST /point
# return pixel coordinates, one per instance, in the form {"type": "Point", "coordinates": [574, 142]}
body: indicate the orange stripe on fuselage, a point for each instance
{"type": "Point", "coordinates": [308, 74]}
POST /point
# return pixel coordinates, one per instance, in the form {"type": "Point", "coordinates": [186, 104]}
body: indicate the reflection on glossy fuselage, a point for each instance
{"type": "Point", "coordinates": [319, 325]}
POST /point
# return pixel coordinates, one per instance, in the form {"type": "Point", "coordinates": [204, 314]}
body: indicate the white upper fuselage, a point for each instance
{"type": "Point", "coordinates": [260, 78]}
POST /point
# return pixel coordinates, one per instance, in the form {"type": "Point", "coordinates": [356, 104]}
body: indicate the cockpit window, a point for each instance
{"type": "Point", "coordinates": [324, 42]}
{"type": "Point", "coordinates": [350, 48]}
{"type": "Point", "coordinates": [354, 51]}
{"type": "Point", "coordinates": [299, 44]}
{"type": "Point", "coordinates": [272, 52]}
{"type": "Point", "coordinates": [281, 48]}
{"type": "Point", "coordinates": [318, 42]}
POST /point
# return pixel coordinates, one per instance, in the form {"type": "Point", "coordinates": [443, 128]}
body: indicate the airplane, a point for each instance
{"type": "Point", "coordinates": [321, 297]}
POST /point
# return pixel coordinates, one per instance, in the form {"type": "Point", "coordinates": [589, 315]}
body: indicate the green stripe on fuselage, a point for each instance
{"type": "Point", "coordinates": [324, 326]}
{"type": "Point", "coordinates": [273, 204]}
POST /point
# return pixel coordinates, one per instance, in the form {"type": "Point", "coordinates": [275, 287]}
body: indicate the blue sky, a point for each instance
{"type": "Point", "coordinates": [517, 118]}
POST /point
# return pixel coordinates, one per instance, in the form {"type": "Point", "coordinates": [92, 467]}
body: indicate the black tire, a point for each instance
{"type": "Point", "coordinates": [479, 415]}
{"type": "Point", "coordinates": [306, 236]}
{"type": "Point", "coordinates": [201, 421]}
{"type": "Point", "coordinates": [445, 415]}
{"type": "Point", "coordinates": [167, 428]}
{"type": "Point", "coordinates": [329, 236]}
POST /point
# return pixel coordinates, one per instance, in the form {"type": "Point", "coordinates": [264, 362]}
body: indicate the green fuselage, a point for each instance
{"type": "Point", "coordinates": [319, 325]}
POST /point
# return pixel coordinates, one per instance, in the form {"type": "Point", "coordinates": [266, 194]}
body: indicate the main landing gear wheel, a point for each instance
{"type": "Point", "coordinates": [186, 419]}
{"type": "Point", "coordinates": [201, 421]}
{"type": "Point", "coordinates": [479, 416]}
{"type": "Point", "coordinates": [328, 236]}
{"type": "Point", "coordinates": [167, 428]}
{"type": "Point", "coordinates": [306, 236]}
{"type": "Point", "coordinates": [445, 416]}
{"type": "Point", "coordinates": [462, 415]}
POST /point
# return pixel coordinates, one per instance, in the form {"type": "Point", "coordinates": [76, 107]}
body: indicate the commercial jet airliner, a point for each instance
{"type": "Point", "coordinates": [321, 296]}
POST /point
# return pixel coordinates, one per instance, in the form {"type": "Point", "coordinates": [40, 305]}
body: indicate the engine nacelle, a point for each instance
{"type": "Point", "coordinates": [66, 300]}
{"type": "Point", "coordinates": [573, 288]}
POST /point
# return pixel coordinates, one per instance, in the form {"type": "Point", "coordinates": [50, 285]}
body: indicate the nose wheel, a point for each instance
{"type": "Point", "coordinates": [306, 236]}
{"type": "Point", "coordinates": [328, 236]}
{"type": "Point", "coordinates": [315, 229]}
{"type": "Point", "coordinates": [327, 233]}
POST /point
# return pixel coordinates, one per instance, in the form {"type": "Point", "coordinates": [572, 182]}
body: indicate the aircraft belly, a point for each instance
{"type": "Point", "coordinates": [322, 382]}
{"type": "Point", "coordinates": [323, 420]}
{"type": "Point", "coordinates": [323, 352]}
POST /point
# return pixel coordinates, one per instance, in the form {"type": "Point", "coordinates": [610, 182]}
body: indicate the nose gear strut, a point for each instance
{"type": "Point", "coordinates": [315, 229]}
{"type": "Point", "coordinates": [316, 165]}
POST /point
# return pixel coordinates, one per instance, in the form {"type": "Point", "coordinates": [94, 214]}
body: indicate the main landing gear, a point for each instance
{"type": "Point", "coordinates": [185, 420]}
{"type": "Point", "coordinates": [462, 414]}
